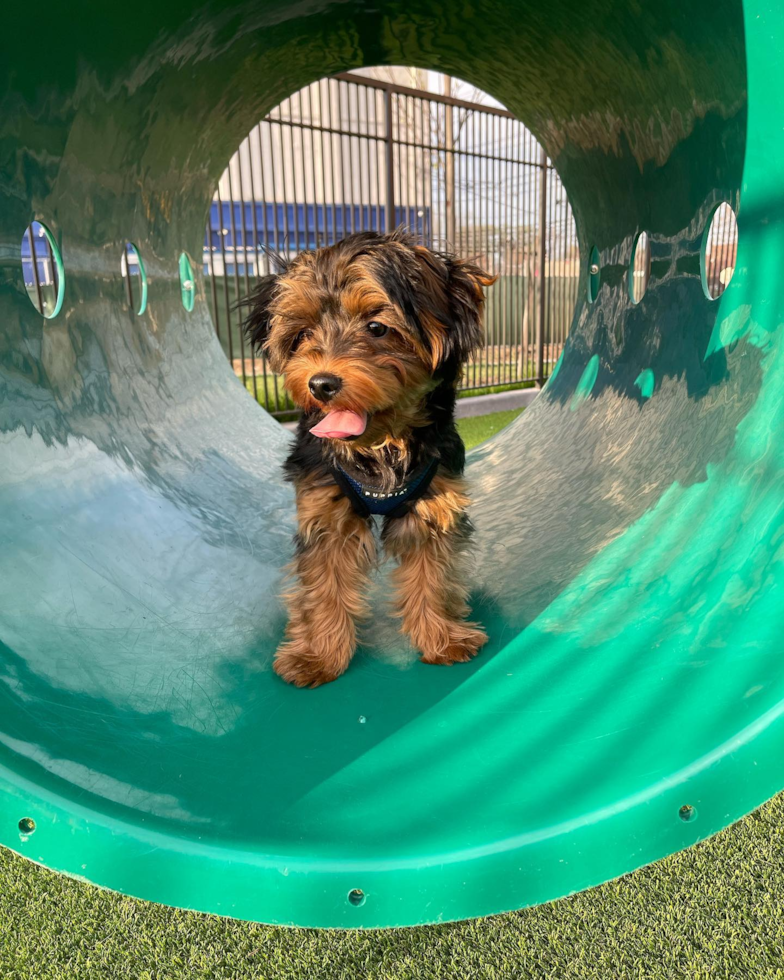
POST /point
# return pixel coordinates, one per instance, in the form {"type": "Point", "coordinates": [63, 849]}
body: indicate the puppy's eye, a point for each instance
{"type": "Point", "coordinates": [377, 329]}
{"type": "Point", "coordinates": [296, 342]}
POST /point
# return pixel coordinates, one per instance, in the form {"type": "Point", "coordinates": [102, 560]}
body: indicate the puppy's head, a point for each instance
{"type": "Point", "coordinates": [364, 329]}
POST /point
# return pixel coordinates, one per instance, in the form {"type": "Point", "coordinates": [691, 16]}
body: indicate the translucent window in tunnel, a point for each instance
{"type": "Point", "coordinates": [384, 148]}
{"type": "Point", "coordinates": [719, 249]}
{"type": "Point", "coordinates": [42, 269]}
{"type": "Point", "coordinates": [187, 282]}
{"type": "Point", "coordinates": [594, 275]}
{"type": "Point", "coordinates": [135, 278]}
{"type": "Point", "coordinates": [640, 268]}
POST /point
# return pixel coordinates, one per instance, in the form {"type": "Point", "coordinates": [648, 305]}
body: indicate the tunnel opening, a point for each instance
{"type": "Point", "coordinates": [378, 149]}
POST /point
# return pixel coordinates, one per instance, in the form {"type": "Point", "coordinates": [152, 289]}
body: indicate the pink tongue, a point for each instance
{"type": "Point", "coordinates": [338, 425]}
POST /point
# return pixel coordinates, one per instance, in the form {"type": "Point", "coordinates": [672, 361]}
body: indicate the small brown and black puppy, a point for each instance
{"type": "Point", "coordinates": [371, 335]}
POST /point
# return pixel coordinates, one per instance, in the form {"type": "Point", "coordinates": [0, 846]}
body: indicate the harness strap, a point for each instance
{"type": "Point", "coordinates": [367, 500]}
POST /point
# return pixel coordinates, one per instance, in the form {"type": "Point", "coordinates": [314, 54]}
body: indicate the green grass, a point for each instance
{"type": "Point", "coordinates": [715, 912]}
{"type": "Point", "coordinates": [481, 427]}
{"type": "Point", "coordinates": [494, 389]}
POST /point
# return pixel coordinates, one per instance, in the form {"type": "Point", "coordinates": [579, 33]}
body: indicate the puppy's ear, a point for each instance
{"type": "Point", "coordinates": [466, 297]}
{"type": "Point", "coordinates": [256, 324]}
{"type": "Point", "coordinates": [450, 304]}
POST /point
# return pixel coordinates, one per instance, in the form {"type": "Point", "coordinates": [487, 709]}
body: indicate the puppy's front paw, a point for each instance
{"type": "Point", "coordinates": [301, 667]}
{"type": "Point", "coordinates": [464, 642]}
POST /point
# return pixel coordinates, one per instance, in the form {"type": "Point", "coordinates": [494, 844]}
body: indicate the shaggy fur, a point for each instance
{"type": "Point", "coordinates": [394, 322]}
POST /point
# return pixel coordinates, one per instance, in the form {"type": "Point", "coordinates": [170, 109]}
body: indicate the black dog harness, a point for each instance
{"type": "Point", "coordinates": [367, 500]}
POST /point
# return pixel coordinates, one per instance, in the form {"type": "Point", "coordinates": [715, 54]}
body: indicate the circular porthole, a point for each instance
{"type": "Point", "coordinates": [134, 277]}
{"type": "Point", "coordinates": [187, 282]}
{"type": "Point", "coordinates": [42, 270]}
{"type": "Point", "coordinates": [718, 252]}
{"type": "Point", "coordinates": [594, 275]}
{"type": "Point", "coordinates": [639, 267]}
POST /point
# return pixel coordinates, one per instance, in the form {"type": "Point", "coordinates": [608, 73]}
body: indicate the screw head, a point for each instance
{"type": "Point", "coordinates": [687, 813]}
{"type": "Point", "coordinates": [594, 269]}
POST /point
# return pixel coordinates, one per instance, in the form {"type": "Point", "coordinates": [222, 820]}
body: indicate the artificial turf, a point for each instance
{"type": "Point", "coordinates": [715, 911]}
{"type": "Point", "coordinates": [477, 429]}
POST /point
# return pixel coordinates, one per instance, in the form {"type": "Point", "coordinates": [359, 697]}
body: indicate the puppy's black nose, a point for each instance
{"type": "Point", "coordinates": [325, 386]}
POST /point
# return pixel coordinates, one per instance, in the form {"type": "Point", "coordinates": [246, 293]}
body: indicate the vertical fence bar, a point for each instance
{"type": "Point", "coordinates": [226, 304]}
{"type": "Point", "coordinates": [403, 161]}
{"type": "Point", "coordinates": [211, 271]}
{"type": "Point", "coordinates": [257, 261]}
{"type": "Point", "coordinates": [325, 157]}
{"type": "Point", "coordinates": [493, 212]}
{"type": "Point", "coordinates": [427, 167]}
{"type": "Point", "coordinates": [496, 195]}
{"type": "Point", "coordinates": [246, 279]}
{"type": "Point", "coordinates": [553, 270]}
{"type": "Point", "coordinates": [343, 142]}
{"type": "Point", "coordinates": [505, 246]}
{"type": "Point", "coordinates": [294, 172]}
{"type": "Point", "coordinates": [126, 266]}
{"type": "Point", "coordinates": [51, 265]}
{"type": "Point", "coordinates": [475, 226]}
{"type": "Point", "coordinates": [333, 158]}
{"type": "Point", "coordinates": [283, 186]}
{"type": "Point", "coordinates": [235, 246]}
{"type": "Point", "coordinates": [449, 166]}
{"type": "Point", "coordinates": [564, 229]}
{"type": "Point", "coordinates": [540, 323]}
{"type": "Point", "coordinates": [314, 195]}
{"type": "Point", "coordinates": [378, 117]}
{"type": "Point", "coordinates": [353, 142]}
{"type": "Point", "coordinates": [270, 130]}
{"type": "Point", "coordinates": [363, 144]}
{"type": "Point", "coordinates": [555, 336]}
{"type": "Point", "coordinates": [487, 182]}
{"type": "Point", "coordinates": [274, 212]}
{"type": "Point", "coordinates": [390, 159]}
{"type": "Point", "coordinates": [530, 266]}
{"type": "Point", "coordinates": [519, 253]}
{"type": "Point", "coordinates": [36, 277]}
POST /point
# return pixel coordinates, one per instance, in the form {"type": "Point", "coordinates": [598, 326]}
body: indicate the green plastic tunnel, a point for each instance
{"type": "Point", "coordinates": [629, 554]}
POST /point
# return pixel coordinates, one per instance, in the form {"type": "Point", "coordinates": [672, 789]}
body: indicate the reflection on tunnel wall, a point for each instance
{"type": "Point", "coordinates": [354, 153]}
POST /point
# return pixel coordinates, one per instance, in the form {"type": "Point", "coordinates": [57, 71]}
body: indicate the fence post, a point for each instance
{"type": "Point", "coordinates": [449, 169]}
{"type": "Point", "coordinates": [390, 223]}
{"type": "Point", "coordinates": [540, 322]}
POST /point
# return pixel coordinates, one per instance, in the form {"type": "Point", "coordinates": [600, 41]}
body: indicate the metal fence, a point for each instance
{"type": "Point", "coordinates": [350, 153]}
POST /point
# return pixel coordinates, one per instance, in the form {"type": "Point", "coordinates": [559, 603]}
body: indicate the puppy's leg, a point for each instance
{"type": "Point", "coordinates": [429, 583]}
{"type": "Point", "coordinates": [335, 550]}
